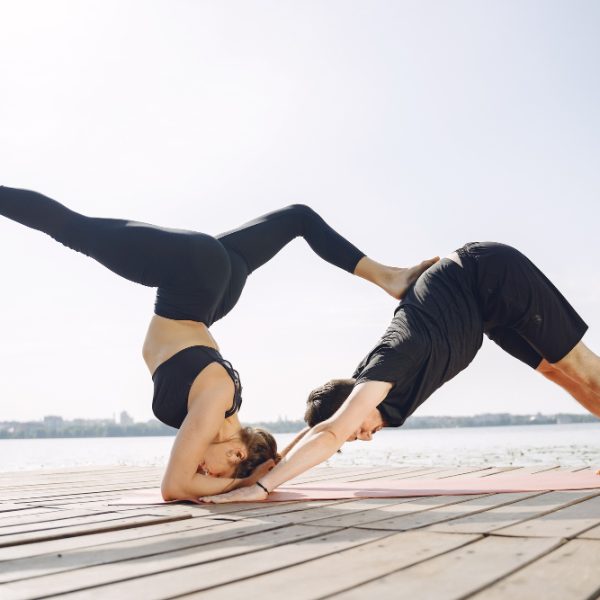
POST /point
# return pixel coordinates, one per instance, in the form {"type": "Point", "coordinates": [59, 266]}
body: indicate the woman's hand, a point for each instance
{"type": "Point", "coordinates": [259, 472]}
{"type": "Point", "coordinates": [244, 494]}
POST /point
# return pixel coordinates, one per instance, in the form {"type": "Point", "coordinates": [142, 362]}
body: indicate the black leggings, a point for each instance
{"type": "Point", "coordinates": [199, 277]}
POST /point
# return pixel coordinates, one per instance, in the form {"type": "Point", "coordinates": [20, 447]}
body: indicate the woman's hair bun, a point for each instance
{"type": "Point", "coordinates": [261, 446]}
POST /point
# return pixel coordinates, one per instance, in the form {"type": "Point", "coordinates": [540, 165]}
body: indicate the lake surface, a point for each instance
{"type": "Point", "coordinates": [576, 445]}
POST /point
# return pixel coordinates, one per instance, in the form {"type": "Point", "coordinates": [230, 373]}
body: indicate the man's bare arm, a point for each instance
{"type": "Point", "coordinates": [317, 445]}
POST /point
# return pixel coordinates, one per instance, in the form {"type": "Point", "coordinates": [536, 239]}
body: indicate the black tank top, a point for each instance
{"type": "Point", "coordinates": [173, 380]}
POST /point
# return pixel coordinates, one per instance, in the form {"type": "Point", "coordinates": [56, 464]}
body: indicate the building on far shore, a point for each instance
{"type": "Point", "coordinates": [53, 421]}
{"type": "Point", "coordinates": [125, 419]}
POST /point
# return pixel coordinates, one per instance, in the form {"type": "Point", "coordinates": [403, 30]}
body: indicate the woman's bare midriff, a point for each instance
{"type": "Point", "coordinates": [166, 337]}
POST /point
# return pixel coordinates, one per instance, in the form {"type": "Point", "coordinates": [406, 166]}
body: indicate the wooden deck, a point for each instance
{"type": "Point", "coordinates": [59, 536]}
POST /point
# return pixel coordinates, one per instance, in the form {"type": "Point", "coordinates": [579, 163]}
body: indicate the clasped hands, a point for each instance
{"type": "Point", "coordinates": [247, 490]}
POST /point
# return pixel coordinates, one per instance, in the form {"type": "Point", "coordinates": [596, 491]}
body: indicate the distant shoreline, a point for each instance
{"type": "Point", "coordinates": [56, 427]}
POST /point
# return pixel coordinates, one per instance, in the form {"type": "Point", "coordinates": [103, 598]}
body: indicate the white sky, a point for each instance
{"type": "Point", "coordinates": [412, 127]}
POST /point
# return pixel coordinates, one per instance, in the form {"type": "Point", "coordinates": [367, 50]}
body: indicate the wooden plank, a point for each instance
{"type": "Point", "coordinates": [55, 574]}
{"type": "Point", "coordinates": [69, 484]}
{"type": "Point", "coordinates": [393, 473]}
{"type": "Point", "coordinates": [376, 509]}
{"type": "Point", "coordinates": [57, 471]}
{"type": "Point", "coordinates": [541, 469]}
{"type": "Point", "coordinates": [509, 471]}
{"type": "Point", "coordinates": [117, 522]}
{"type": "Point", "coordinates": [44, 524]}
{"type": "Point", "coordinates": [396, 474]}
{"type": "Point", "coordinates": [24, 511]}
{"type": "Point", "coordinates": [237, 510]}
{"type": "Point", "coordinates": [446, 511]}
{"type": "Point", "coordinates": [271, 509]}
{"type": "Point", "coordinates": [336, 511]}
{"type": "Point", "coordinates": [571, 572]}
{"type": "Point", "coordinates": [429, 472]}
{"type": "Point", "coordinates": [469, 472]}
{"type": "Point", "coordinates": [6, 507]}
{"type": "Point", "coordinates": [210, 574]}
{"type": "Point", "coordinates": [591, 534]}
{"type": "Point", "coordinates": [362, 473]}
{"type": "Point", "coordinates": [191, 510]}
{"type": "Point", "coordinates": [96, 539]}
{"type": "Point", "coordinates": [71, 479]}
{"type": "Point", "coordinates": [567, 522]}
{"type": "Point", "coordinates": [510, 514]}
{"type": "Point", "coordinates": [43, 477]}
{"type": "Point", "coordinates": [41, 515]}
{"type": "Point", "coordinates": [57, 492]}
{"type": "Point", "coordinates": [110, 502]}
{"type": "Point", "coordinates": [77, 500]}
{"type": "Point", "coordinates": [335, 474]}
{"type": "Point", "coordinates": [341, 571]}
{"type": "Point", "coordinates": [456, 574]}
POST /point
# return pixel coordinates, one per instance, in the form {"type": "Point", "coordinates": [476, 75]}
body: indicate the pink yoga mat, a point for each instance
{"type": "Point", "coordinates": [403, 488]}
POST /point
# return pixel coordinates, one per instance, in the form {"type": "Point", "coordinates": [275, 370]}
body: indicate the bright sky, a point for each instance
{"type": "Point", "coordinates": [411, 126]}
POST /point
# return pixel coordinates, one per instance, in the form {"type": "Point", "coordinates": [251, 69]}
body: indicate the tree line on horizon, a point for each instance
{"type": "Point", "coordinates": [56, 427]}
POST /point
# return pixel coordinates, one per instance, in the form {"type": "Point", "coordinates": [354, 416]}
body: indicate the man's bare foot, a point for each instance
{"type": "Point", "coordinates": [397, 280]}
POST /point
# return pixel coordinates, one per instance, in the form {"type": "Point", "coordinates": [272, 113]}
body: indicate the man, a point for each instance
{"type": "Point", "coordinates": [435, 333]}
{"type": "Point", "coordinates": [437, 330]}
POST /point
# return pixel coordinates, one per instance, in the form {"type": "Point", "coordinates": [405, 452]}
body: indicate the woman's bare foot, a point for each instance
{"type": "Point", "coordinates": [394, 280]}
{"type": "Point", "coordinates": [397, 281]}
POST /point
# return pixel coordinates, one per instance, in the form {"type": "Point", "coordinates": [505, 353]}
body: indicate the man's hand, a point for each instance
{"type": "Point", "coordinates": [244, 494]}
{"type": "Point", "coordinates": [259, 472]}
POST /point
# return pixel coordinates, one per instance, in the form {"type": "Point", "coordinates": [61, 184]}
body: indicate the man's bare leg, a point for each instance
{"type": "Point", "coordinates": [579, 374]}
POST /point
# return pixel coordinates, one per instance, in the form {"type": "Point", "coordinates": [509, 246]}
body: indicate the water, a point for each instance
{"type": "Point", "coordinates": [576, 445]}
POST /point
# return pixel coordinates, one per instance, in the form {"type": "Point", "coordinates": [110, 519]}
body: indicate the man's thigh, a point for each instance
{"type": "Point", "coordinates": [510, 341]}
{"type": "Point", "coordinates": [517, 296]}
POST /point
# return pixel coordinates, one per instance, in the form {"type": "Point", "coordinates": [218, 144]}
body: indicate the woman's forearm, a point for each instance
{"type": "Point", "coordinates": [199, 485]}
{"type": "Point", "coordinates": [294, 442]}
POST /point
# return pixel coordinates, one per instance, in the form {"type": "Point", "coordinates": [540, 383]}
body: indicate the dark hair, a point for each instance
{"type": "Point", "coordinates": [261, 446]}
{"type": "Point", "coordinates": [324, 401]}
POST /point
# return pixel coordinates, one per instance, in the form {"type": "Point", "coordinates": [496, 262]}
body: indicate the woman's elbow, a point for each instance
{"type": "Point", "coordinates": [171, 490]}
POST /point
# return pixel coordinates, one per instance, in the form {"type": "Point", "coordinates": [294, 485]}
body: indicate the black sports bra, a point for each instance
{"type": "Point", "coordinates": [173, 380]}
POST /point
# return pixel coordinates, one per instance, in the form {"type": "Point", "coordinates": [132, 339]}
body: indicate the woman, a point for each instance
{"type": "Point", "coordinates": [199, 279]}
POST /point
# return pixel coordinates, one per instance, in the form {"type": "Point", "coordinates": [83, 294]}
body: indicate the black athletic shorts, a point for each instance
{"type": "Point", "coordinates": [522, 310]}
